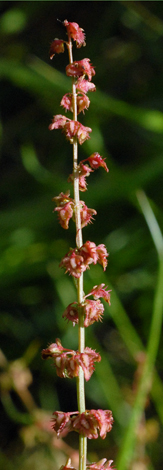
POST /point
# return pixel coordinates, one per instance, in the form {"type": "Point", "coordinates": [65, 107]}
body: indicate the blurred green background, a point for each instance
{"type": "Point", "coordinates": [125, 44]}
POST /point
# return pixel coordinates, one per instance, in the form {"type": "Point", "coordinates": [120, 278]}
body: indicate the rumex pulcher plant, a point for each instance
{"type": "Point", "coordinates": [83, 311]}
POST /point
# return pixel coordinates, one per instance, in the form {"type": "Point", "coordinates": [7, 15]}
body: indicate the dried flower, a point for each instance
{"type": "Point", "coordinates": [66, 102]}
{"type": "Point", "coordinates": [90, 422]}
{"type": "Point", "coordinates": [75, 32]}
{"type": "Point", "coordinates": [95, 161]}
{"type": "Point", "coordinates": [84, 85]}
{"type": "Point", "coordinates": [80, 68]}
{"type": "Point", "coordinates": [86, 361]}
{"type": "Point", "coordinates": [100, 291]}
{"type": "Point", "coordinates": [83, 133]}
{"type": "Point", "coordinates": [102, 255]}
{"type": "Point", "coordinates": [70, 128]}
{"type": "Point", "coordinates": [83, 102]}
{"type": "Point", "coordinates": [58, 122]}
{"type": "Point", "coordinates": [105, 421]}
{"type": "Point", "coordinates": [65, 213]}
{"type": "Point", "coordinates": [67, 361]}
{"type": "Point", "coordinates": [62, 424]}
{"type": "Point", "coordinates": [89, 253]}
{"type": "Point", "coordinates": [83, 171]}
{"type": "Point", "coordinates": [73, 262]}
{"type": "Point", "coordinates": [76, 261]}
{"type": "Point", "coordinates": [71, 313]}
{"type": "Point", "coordinates": [93, 310]}
{"type": "Point", "coordinates": [86, 214]}
{"type": "Point", "coordinates": [65, 206]}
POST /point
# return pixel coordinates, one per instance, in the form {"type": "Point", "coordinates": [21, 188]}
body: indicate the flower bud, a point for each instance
{"type": "Point", "coordinates": [57, 46]}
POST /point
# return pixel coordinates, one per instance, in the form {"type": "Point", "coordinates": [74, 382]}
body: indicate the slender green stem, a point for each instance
{"type": "Point", "coordinates": [80, 292]}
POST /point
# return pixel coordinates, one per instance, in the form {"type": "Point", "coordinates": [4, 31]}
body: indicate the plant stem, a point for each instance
{"type": "Point", "coordinates": [80, 294]}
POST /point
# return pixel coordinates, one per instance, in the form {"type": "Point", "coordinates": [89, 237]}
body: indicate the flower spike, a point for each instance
{"type": "Point", "coordinates": [81, 363]}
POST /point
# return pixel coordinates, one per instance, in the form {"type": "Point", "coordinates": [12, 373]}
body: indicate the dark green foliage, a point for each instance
{"type": "Point", "coordinates": [125, 44]}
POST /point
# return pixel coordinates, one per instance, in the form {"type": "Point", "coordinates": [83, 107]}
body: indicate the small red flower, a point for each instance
{"type": "Point", "coordinates": [86, 424]}
{"type": "Point", "coordinates": [86, 214]}
{"type": "Point", "coordinates": [76, 261]}
{"type": "Point", "coordinates": [86, 361]}
{"type": "Point", "coordinates": [73, 262]}
{"type": "Point", "coordinates": [76, 33]}
{"type": "Point", "coordinates": [83, 102]}
{"type": "Point", "coordinates": [82, 184]}
{"type": "Point", "coordinates": [66, 102]}
{"type": "Point", "coordinates": [89, 253]}
{"type": "Point", "coordinates": [80, 68]}
{"type": "Point", "coordinates": [54, 348]}
{"type": "Point", "coordinates": [90, 422]}
{"type": "Point", "coordinates": [84, 85]}
{"type": "Point", "coordinates": [62, 424]}
{"type": "Point", "coordinates": [62, 198]}
{"type": "Point", "coordinates": [67, 361]}
{"type": "Point", "coordinates": [100, 291]}
{"type": "Point", "coordinates": [83, 171]}
{"type": "Point", "coordinates": [58, 122]}
{"type": "Point", "coordinates": [105, 421]}
{"type": "Point", "coordinates": [73, 128]}
{"type": "Point", "coordinates": [102, 255]}
{"type": "Point", "coordinates": [71, 313]}
{"type": "Point", "coordinates": [70, 128]}
{"type": "Point", "coordinates": [57, 46]}
{"type": "Point", "coordinates": [65, 206]}
{"type": "Point", "coordinates": [95, 161]}
{"type": "Point", "coordinates": [93, 310]}
{"type": "Point", "coordinates": [65, 214]}
{"type": "Point", "coordinates": [83, 133]}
